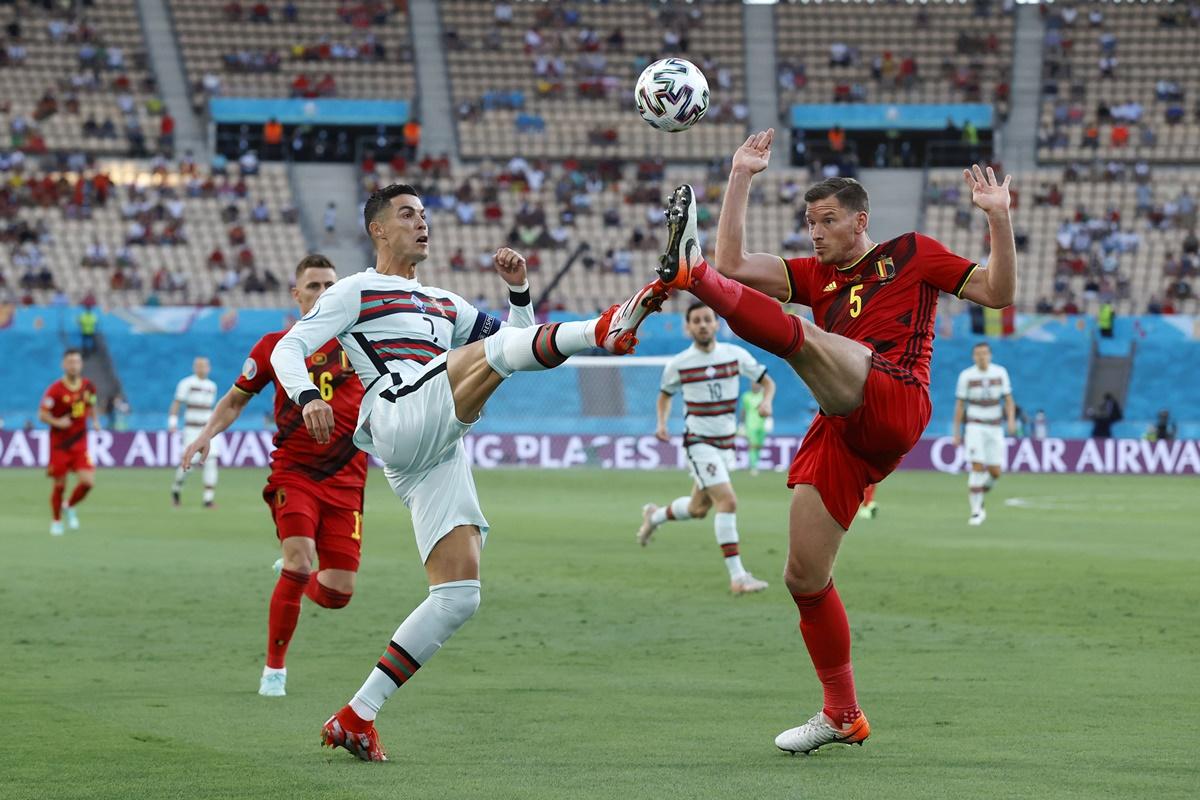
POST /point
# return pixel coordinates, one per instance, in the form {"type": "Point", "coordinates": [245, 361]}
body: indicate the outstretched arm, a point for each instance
{"type": "Point", "coordinates": [761, 271]}
{"type": "Point", "coordinates": [765, 407]}
{"type": "Point", "coordinates": [995, 286]}
{"type": "Point", "coordinates": [225, 414]}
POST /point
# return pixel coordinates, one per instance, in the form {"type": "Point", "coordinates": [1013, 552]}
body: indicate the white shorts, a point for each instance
{"type": "Point", "coordinates": [415, 433]}
{"type": "Point", "coordinates": [709, 465]}
{"type": "Point", "coordinates": [984, 444]}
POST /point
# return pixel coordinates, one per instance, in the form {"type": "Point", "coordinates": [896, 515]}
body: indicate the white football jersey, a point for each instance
{"type": "Point", "coordinates": [390, 327]}
{"type": "Point", "coordinates": [711, 385]}
{"type": "Point", "coordinates": [983, 393]}
{"type": "Point", "coordinates": [196, 396]}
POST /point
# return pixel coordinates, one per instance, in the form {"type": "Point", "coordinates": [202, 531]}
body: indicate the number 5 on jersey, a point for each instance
{"type": "Point", "coordinates": [856, 301]}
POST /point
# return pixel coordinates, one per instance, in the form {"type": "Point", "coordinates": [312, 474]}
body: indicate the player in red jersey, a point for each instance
{"type": "Point", "coordinates": [65, 408]}
{"type": "Point", "coordinates": [315, 491]}
{"type": "Point", "coordinates": [866, 361]}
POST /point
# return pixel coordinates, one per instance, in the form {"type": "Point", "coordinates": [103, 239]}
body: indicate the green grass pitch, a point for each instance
{"type": "Point", "coordinates": [1049, 654]}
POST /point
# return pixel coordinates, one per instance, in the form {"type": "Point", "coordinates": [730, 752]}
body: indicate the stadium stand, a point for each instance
{"type": "Point", "coordinates": [1087, 234]}
{"type": "Point", "coordinates": [933, 52]}
{"type": "Point", "coordinates": [553, 80]}
{"type": "Point", "coordinates": [1116, 82]}
{"type": "Point", "coordinates": [317, 48]}
{"type": "Point", "coordinates": [132, 232]}
{"type": "Point", "coordinates": [549, 209]}
{"type": "Point", "coordinates": [75, 80]}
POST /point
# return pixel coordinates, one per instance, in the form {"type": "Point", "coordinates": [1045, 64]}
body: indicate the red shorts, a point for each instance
{"type": "Point", "coordinates": [64, 461]}
{"type": "Point", "coordinates": [841, 456]}
{"type": "Point", "coordinates": [337, 530]}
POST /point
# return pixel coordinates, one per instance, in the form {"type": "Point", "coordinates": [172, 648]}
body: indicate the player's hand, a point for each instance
{"type": "Point", "coordinates": [1012, 429]}
{"type": "Point", "coordinates": [318, 418]}
{"type": "Point", "coordinates": [987, 195]}
{"type": "Point", "coordinates": [63, 422]}
{"type": "Point", "coordinates": [511, 266]}
{"type": "Point", "coordinates": [754, 155]}
{"type": "Point", "coordinates": [200, 445]}
{"type": "Point", "coordinates": [958, 440]}
{"type": "Point", "coordinates": [764, 409]}
{"type": "Point", "coordinates": [662, 435]}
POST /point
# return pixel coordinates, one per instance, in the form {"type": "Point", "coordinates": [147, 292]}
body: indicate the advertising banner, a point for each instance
{"type": "Point", "coordinates": [554, 451]}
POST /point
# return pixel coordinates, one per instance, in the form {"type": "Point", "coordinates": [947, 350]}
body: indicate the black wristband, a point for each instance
{"type": "Point", "coordinates": [307, 396]}
{"type": "Point", "coordinates": [519, 298]}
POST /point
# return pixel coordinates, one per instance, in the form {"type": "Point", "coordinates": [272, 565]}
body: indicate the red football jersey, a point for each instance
{"type": "Point", "coordinates": [336, 465]}
{"type": "Point", "coordinates": [887, 299]}
{"type": "Point", "coordinates": [62, 400]}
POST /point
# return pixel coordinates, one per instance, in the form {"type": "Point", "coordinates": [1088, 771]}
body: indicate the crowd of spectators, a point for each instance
{"type": "Point", "coordinates": [102, 78]}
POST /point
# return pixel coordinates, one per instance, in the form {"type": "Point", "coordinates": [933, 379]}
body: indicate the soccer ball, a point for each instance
{"type": "Point", "coordinates": [672, 94]}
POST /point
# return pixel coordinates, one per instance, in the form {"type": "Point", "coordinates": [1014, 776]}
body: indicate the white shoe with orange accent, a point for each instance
{"type": "Point", "coordinates": [648, 528]}
{"type": "Point", "coordinates": [819, 731]}
{"type": "Point", "coordinates": [747, 584]}
{"type": "Point", "coordinates": [616, 330]}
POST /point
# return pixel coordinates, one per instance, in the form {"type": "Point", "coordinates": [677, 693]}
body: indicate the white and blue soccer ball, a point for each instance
{"type": "Point", "coordinates": [672, 94]}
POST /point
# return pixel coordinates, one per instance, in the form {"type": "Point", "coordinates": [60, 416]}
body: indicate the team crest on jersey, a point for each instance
{"type": "Point", "coordinates": [710, 371]}
{"type": "Point", "coordinates": [318, 359]}
{"type": "Point", "coordinates": [885, 268]}
{"type": "Point", "coordinates": [249, 369]}
{"type": "Point", "coordinates": [418, 303]}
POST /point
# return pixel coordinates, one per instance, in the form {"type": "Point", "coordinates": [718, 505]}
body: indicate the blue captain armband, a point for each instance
{"type": "Point", "coordinates": [485, 325]}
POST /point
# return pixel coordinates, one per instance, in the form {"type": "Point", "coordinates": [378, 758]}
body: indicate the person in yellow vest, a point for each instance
{"type": "Point", "coordinates": [1105, 319]}
{"type": "Point", "coordinates": [88, 320]}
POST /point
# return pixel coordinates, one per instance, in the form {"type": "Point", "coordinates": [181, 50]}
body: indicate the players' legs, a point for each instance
{"type": "Point", "coordinates": [724, 499]}
{"type": "Point", "coordinates": [58, 490]}
{"type": "Point", "coordinates": [977, 479]}
{"type": "Point", "coordinates": [453, 571]}
{"type": "Point", "coordinates": [814, 537]}
{"type": "Point", "coordinates": [476, 371]}
{"type": "Point", "coordinates": [299, 550]}
{"type": "Point", "coordinates": [85, 479]}
{"type": "Point", "coordinates": [210, 480]}
{"type": "Point", "coordinates": [834, 368]}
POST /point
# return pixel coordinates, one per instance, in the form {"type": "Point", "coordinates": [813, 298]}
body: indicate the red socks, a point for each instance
{"type": "Point", "coordinates": [826, 634]}
{"type": "Point", "coordinates": [56, 498]}
{"type": "Point", "coordinates": [81, 490]}
{"type": "Point", "coordinates": [351, 721]}
{"type": "Point", "coordinates": [752, 315]}
{"type": "Point", "coordinates": [285, 612]}
{"type": "Point", "coordinates": [322, 595]}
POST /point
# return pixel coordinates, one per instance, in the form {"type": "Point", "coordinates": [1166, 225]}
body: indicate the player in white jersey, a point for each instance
{"type": "Point", "coordinates": [196, 395]}
{"type": "Point", "coordinates": [982, 389]}
{"type": "Point", "coordinates": [709, 375]}
{"type": "Point", "coordinates": [429, 361]}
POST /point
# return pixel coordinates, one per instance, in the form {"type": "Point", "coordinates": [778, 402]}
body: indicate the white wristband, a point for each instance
{"type": "Point", "coordinates": [172, 422]}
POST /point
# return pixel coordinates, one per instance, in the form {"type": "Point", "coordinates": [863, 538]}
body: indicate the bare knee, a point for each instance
{"type": "Point", "coordinates": [698, 507]}
{"type": "Point", "coordinates": [298, 554]}
{"type": "Point", "coordinates": [338, 580]}
{"type": "Point", "coordinates": [994, 471]}
{"type": "Point", "coordinates": [801, 577]}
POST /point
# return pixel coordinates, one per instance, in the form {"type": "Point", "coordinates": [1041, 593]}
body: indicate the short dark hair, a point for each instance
{"type": "Point", "coordinates": [72, 351]}
{"type": "Point", "coordinates": [382, 197]}
{"type": "Point", "coordinates": [313, 261]}
{"type": "Point", "coordinates": [851, 194]}
{"type": "Point", "coordinates": [981, 344]}
{"type": "Point", "coordinates": [697, 305]}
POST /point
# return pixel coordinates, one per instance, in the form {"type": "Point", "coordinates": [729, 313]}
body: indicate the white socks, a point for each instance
{"type": "Point", "coordinates": [180, 476]}
{"type": "Point", "coordinates": [725, 525]}
{"type": "Point", "coordinates": [677, 509]}
{"type": "Point", "coordinates": [426, 629]}
{"type": "Point", "coordinates": [534, 349]}
{"type": "Point", "coordinates": [976, 481]}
